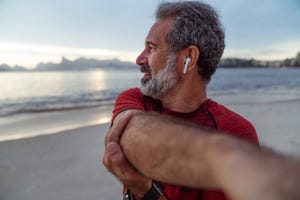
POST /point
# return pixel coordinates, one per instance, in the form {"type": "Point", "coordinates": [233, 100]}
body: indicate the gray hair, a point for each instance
{"type": "Point", "coordinates": [195, 23]}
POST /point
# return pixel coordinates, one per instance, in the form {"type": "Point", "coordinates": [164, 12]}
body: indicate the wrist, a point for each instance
{"type": "Point", "coordinates": [139, 191]}
{"type": "Point", "coordinates": [154, 193]}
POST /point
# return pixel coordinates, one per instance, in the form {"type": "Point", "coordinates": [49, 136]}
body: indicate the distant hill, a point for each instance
{"type": "Point", "coordinates": [84, 64]}
{"type": "Point", "coordinates": [5, 68]}
{"type": "Point", "coordinates": [244, 63]}
{"type": "Point", "coordinates": [78, 64]}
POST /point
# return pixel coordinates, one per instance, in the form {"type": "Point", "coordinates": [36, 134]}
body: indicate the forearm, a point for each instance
{"type": "Point", "coordinates": [173, 152]}
{"type": "Point", "coordinates": [157, 147]}
{"type": "Point", "coordinates": [248, 172]}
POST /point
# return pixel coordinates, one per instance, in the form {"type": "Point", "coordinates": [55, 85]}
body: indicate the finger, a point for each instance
{"type": "Point", "coordinates": [106, 161]}
{"type": "Point", "coordinates": [121, 166]}
{"type": "Point", "coordinates": [119, 124]}
{"type": "Point", "coordinates": [114, 169]}
{"type": "Point", "coordinates": [122, 169]}
{"type": "Point", "coordinates": [112, 156]}
{"type": "Point", "coordinates": [114, 152]}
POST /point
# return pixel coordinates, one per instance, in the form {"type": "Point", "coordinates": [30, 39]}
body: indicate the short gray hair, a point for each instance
{"type": "Point", "coordinates": [195, 23]}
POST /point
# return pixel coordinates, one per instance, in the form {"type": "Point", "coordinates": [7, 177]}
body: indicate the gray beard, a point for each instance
{"type": "Point", "coordinates": [163, 81]}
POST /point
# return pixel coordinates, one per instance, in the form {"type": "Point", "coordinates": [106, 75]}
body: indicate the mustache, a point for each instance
{"type": "Point", "coordinates": [145, 69]}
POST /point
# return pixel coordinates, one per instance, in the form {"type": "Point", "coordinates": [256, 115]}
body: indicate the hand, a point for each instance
{"type": "Point", "coordinates": [116, 162]}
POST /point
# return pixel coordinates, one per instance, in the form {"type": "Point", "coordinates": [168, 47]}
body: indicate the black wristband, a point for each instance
{"type": "Point", "coordinates": [154, 193]}
{"type": "Point", "coordinates": [128, 195]}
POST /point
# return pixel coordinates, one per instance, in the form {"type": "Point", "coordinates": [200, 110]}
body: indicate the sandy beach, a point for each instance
{"type": "Point", "coordinates": [67, 165]}
{"type": "Point", "coordinates": [61, 166]}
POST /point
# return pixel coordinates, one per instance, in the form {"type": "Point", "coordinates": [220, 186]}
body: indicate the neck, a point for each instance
{"type": "Point", "coordinates": [186, 96]}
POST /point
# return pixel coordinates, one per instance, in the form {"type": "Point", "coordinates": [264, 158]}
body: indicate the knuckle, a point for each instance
{"type": "Point", "coordinates": [106, 161]}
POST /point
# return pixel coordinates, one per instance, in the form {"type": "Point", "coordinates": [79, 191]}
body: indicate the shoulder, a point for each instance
{"type": "Point", "coordinates": [229, 121]}
{"type": "Point", "coordinates": [133, 92]}
{"type": "Point", "coordinates": [127, 100]}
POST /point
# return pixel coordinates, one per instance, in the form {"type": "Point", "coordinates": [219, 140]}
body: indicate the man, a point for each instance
{"type": "Point", "coordinates": [182, 51]}
{"type": "Point", "coordinates": [202, 158]}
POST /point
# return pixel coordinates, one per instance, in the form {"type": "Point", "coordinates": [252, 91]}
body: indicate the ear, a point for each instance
{"type": "Point", "coordinates": [190, 54]}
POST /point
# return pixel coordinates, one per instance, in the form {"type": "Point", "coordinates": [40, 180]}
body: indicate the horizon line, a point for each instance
{"type": "Point", "coordinates": [30, 55]}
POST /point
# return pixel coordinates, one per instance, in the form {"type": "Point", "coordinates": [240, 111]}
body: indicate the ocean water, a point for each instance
{"type": "Point", "coordinates": [29, 92]}
{"type": "Point", "coordinates": [24, 92]}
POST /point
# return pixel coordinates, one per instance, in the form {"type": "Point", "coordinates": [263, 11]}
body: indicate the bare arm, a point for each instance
{"type": "Point", "coordinates": [116, 162]}
{"type": "Point", "coordinates": [171, 151]}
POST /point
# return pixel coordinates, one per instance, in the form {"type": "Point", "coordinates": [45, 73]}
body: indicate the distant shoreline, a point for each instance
{"type": "Point", "coordinates": [134, 68]}
{"type": "Point", "coordinates": [82, 64]}
{"type": "Point", "coordinates": [220, 67]}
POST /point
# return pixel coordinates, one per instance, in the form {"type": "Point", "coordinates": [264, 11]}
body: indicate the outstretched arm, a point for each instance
{"type": "Point", "coordinates": [172, 151]}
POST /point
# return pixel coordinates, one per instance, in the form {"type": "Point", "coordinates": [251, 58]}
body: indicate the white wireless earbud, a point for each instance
{"type": "Point", "coordinates": [186, 64]}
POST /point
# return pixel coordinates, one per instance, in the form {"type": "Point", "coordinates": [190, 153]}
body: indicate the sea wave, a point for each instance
{"type": "Point", "coordinates": [57, 103]}
{"type": "Point", "coordinates": [107, 97]}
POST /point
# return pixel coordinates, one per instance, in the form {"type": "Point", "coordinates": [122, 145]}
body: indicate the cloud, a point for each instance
{"type": "Point", "coordinates": [275, 51]}
{"type": "Point", "coordinates": [118, 28]}
{"type": "Point", "coordinates": [31, 54]}
{"type": "Point", "coordinates": [59, 50]}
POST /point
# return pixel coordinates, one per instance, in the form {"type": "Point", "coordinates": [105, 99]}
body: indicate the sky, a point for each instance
{"type": "Point", "coordinates": [34, 31]}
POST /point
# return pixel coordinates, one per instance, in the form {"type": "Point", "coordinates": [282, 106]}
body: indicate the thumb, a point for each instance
{"type": "Point", "coordinates": [114, 152]}
{"type": "Point", "coordinates": [122, 166]}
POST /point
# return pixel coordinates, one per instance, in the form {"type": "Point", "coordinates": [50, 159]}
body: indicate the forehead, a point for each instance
{"type": "Point", "coordinates": [160, 30]}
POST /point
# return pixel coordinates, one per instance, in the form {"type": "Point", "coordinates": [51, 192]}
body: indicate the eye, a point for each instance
{"type": "Point", "coordinates": [152, 47]}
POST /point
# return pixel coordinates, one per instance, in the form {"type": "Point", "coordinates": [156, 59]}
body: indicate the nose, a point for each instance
{"type": "Point", "coordinates": [142, 59]}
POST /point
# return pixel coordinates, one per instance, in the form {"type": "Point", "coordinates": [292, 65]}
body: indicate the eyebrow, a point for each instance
{"type": "Point", "coordinates": [151, 43]}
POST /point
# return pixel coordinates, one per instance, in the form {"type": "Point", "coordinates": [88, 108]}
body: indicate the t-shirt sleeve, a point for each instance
{"type": "Point", "coordinates": [232, 123]}
{"type": "Point", "coordinates": [240, 127]}
{"type": "Point", "coordinates": [129, 99]}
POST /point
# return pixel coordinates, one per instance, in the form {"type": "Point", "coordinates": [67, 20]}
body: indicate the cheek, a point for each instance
{"type": "Point", "coordinates": [156, 63]}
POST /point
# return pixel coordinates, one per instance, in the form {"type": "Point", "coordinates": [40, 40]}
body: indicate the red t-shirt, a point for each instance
{"type": "Point", "coordinates": [209, 114]}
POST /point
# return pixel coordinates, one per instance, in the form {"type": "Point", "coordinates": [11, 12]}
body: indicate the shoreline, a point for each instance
{"type": "Point", "coordinates": [284, 111]}
{"type": "Point", "coordinates": [27, 125]}
{"type": "Point", "coordinates": [30, 125]}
